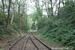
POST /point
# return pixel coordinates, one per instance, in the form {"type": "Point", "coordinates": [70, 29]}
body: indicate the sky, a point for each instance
{"type": "Point", "coordinates": [32, 8]}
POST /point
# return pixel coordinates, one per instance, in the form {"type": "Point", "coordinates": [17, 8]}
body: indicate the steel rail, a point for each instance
{"type": "Point", "coordinates": [24, 46]}
{"type": "Point", "coordinates": [16, 42]}
{"type": "Point", "coordinates": [34, 43]}
{"type": "Point", "coordinates": [42, 43]}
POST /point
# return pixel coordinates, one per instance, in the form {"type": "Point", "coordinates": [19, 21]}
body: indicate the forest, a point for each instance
{"type": "Point", "coordinates": [52, 19]}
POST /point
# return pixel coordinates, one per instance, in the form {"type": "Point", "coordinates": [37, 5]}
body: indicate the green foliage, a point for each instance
{"type": "Point", "coordinates": [60, 29]}
{"type": "Point", "coordinates": [33, 27]}
{"type": "Point", "coordinates": [2, 24]}
{"type": "Point", "coordinates": [2, 19]}
{"type": "Point", "coordinates": [3, 31]}
{"type": "Point", "coordinates": [35, 16]}
{"type": "Point", "coordinates": [24, 25]}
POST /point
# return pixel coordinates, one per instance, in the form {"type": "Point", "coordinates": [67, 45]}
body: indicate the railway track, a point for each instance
{"type": "Point", "coordinates": [39, 44]}
{"type": "Point", "coordinates": [29, 42]}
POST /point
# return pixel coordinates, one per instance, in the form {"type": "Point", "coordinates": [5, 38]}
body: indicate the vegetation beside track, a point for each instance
{"type": "Point", "coordinates": [8, 42]}
{"type": "Point", "coordinates": [60, 28]}
{"type": "Point", "coordinates": [51, 43]}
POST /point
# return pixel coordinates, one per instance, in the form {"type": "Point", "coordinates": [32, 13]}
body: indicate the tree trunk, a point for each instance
{"type": "Point", "coordinates": [12, 18]}
{"type": "Point", "coordinates": [26, 19]}
{"type": "Point", "coordinates": [19, 20]}
{"type": "Point", "coordinates": [8, 14]}
{"type": "Point", "coordinates": [59, 8]}
{"type": "Point", "coordinates": [12, 15]}
{"type": "Point", "coordinates": [3, 6]}
{"type": "Point", "coordinates": [26, 15]}
{"type": "Point", "coordinates": [63, 2]}
{"type": "Point", "coordinates": [51, 8]}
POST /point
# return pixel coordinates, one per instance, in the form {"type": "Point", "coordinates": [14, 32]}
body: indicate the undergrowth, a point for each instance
{"type": "Point", "coordinates": [60, 28]}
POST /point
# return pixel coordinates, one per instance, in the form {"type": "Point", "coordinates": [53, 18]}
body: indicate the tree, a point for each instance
{"type": "Point", "coordinates": [3, 6]}
{"type": "Point", "coordinates": [47, 6]}
{"type": "Point", "coordinates": [39, 8]}
{"type": "Point", "coordinates": [13, 7]}
{"type": "Point", "coordinates": [59, 7]}
{"type": "Point", "coordinates": [63, 2]}
{"type": "Point", "coordinates": [51, 8]}
{"type": "Point", "coordinates": [19, 19]}
{"type": "Point", "coordinates": [8, 14]}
